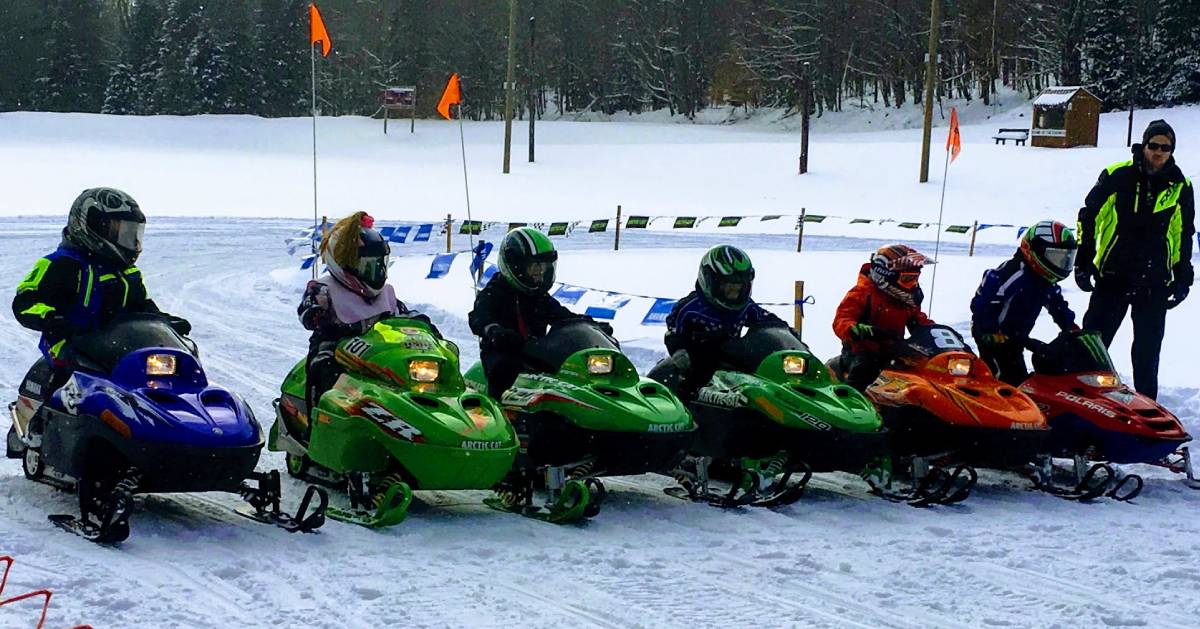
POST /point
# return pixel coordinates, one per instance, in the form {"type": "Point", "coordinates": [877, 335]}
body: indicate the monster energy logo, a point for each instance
{"type": "Point", "coordinates": [1095, 346]}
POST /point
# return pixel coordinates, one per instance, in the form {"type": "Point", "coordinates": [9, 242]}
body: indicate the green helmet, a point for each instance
{"type": "Point", "coordinates": [527, 259]}
{"type": "Point", "coordinates": [726, 275]}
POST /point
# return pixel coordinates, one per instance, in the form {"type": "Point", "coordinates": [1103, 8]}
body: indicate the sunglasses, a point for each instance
{"type": "Point", "coordinates": [1155, 146]}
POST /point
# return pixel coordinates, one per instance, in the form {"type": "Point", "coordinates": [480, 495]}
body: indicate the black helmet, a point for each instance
{"type": "Point", "coordinates": [363, 271]}
{"type": "Point", "coordinates": [726, 276]}
{"type": "Point", "coordinates": [108, 223]}
{"type": "Point", "coordinates": [527, 260]}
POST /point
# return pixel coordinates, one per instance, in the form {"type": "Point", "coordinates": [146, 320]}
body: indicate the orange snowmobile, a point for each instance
{"type": "Point", "coordinates": [946, 411]}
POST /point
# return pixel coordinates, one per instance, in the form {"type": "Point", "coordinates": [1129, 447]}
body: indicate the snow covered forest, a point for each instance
{"type": "Point", "coordinates": [250, 56]}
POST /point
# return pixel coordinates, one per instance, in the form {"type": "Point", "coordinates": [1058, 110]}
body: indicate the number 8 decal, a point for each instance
{"type": "Point", "coordinates": [945, 338]}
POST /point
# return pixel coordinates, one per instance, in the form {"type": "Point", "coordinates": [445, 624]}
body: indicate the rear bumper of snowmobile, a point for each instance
{"type": "Point", "coordinates": [76, 445]}
{"type": "Point", "coordinates": [548, 439]}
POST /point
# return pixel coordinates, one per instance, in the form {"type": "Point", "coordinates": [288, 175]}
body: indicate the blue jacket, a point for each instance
{"type": "Point", "coordinates": [695, 324]}
{"type": "Point", "coordinates": [69, 291]}
{"type": "Point", "coordinates": [1011, 297]}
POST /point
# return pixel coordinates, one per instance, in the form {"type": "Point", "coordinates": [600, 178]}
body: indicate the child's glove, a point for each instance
{"type": "Point", "coordinates": [605, 327]}
{"type": "Point", "coordinates": [863, 332]}
{"type": "Point", "coordinates": [993, 338]}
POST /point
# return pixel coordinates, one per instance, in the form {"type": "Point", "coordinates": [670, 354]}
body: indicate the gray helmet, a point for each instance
{"type": "Point", "coordinates": [108, 223]}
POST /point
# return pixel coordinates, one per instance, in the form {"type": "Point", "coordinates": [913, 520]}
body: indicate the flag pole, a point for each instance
{"type": "Point", "coordinates": [467, 190]}
{"type": "Point", "coordinates": [313, 56]}
{"type": "Point", "coordinates": [937, 246]}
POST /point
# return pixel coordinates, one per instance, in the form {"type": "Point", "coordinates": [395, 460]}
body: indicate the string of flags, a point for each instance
{"type": "Point", "coordinates": [604, 304]}
{"type": "Point", "coordinates": [417, 233]}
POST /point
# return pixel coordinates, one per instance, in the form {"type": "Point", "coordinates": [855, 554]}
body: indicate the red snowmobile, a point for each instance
{"type": "Point", "coordinates": [1095, 417]}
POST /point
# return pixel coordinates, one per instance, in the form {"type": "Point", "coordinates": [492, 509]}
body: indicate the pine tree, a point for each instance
{"type": "Point", "coordinates": [1110, 48]}
{"type": "Point", "coordinates": [72, 78]}
{"type": "Point", "coordinates": [131, 84]}
{"type": "Point", "coordinates": [175, 87]}
{"type": "Point", "coordinates": [281, 49]}
{"type": "Point", "coordinates": [1176, 64]}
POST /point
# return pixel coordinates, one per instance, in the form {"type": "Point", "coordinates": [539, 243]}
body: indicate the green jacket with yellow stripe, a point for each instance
{"type": "Point", "coordinates": [1139, 227]}
{"type": "Point", "coordinates": [70, 291]}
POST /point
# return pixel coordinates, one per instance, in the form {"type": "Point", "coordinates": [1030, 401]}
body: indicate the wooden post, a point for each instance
{"type": "Point", "coordinates": [324, 235]}
{"type": "Point", "coordinates": [931, 68]}
{"type": "Point", "coordinates": [531, 77]}
{"type": "Point", "coordinates": [385, 120]}
{"type": "Point", "coordinates": [974, 230]}
{"type": "Point", "coordinates": [449, 230]}
{"type": "Point", "coordinates": [800, 231]}
{"type": "Point", "coordinates": [617, 239]}
{"type": "Point", "coordinates": [806, 104]}
{"type": "Point", "coordinates": [799, 309]}
{"type": "Point", "coordinates": [508, 81]}
{"type": "Point", "coordinates": [412, 123]}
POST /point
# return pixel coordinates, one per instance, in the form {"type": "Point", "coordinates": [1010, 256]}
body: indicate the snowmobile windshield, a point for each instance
{"type": "Point", "coordinates": [1073, 353]}
{"type": "Point", "coordinates": [103, 348]}
{"type": "Point", "coordinates": [562, 340]}
{"type": "Point", "coordinates": [746, 353]}
{"type": "Point", "coordinates": [930, 341]}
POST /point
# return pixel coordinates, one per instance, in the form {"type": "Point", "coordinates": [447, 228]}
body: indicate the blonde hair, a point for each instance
{"type": "Point", "coordinates": [342, 240]}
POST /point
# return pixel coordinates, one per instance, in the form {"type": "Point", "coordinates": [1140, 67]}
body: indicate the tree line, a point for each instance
{"type": "Point", "coordinates": [252, 56]}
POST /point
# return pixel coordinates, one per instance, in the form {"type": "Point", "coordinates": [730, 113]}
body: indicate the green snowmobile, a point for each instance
{"type": "Point", "coordinates": [400, 419]}
{"type": "Point", "coordinates": [582, 412]}
{"type": "Point", "coordinates": [768, 419]}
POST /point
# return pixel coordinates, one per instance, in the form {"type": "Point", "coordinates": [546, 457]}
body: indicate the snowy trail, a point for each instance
{"type": "Point", "coordinates": [1007, 557]}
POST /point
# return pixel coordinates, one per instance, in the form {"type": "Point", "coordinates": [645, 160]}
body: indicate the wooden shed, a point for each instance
{"type": "Point", "coordinates": [1064, 117]}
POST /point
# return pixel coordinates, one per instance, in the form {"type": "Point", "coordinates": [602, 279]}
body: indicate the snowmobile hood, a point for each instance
{"type": "Point", "coordinates": [793, 388]}
{"type": "Point", "coordinates": [958, 389]}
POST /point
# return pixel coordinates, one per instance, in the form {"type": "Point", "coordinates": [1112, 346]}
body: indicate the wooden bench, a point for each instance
{"type": "Point", "coordinates": [1018, 136]}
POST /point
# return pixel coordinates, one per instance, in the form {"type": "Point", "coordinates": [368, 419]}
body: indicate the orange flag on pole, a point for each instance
{"type": "Point", "coordinates": [954, 140]}
{"type": "Point", "coordinates": [452, 96]}
{"type": "Point", "coordinates": [317, 32]}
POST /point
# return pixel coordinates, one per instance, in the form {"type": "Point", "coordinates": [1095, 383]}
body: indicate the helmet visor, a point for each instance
{"type": "Point", "coordinates": [1060, 259]}
{"type": "Point", "coordinates": [127, 234]}
{"type": "Point", "coordinates": [373, 270]}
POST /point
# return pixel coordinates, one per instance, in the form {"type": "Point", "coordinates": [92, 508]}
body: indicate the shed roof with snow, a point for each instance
{"type": "Point", "coordinates": [1059, 96]}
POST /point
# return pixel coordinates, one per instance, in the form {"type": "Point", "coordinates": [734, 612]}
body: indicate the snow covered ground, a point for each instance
{"type": "Point", "coordinates": [1006, 557]}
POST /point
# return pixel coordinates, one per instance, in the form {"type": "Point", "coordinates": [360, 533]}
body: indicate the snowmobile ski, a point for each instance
{"type": "Point", "coordinates": [263, 498]}
{"type": "Point", "coordinates": [934, 486]}
{"type": "Point", "coordinates": [767, 483]}
{"type": "Point", "coordinates": [1092, 483]}
{"type": "Point", "coordinates": [103, 519]}
{"type": "Point", "coordinates": [386, 507]}
{"type": "Point", "coordinates": [569, 499]}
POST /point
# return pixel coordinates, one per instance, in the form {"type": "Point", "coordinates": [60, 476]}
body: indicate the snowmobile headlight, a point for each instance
{"type": "Point", "coordinates": [160, 365]}
{"type": "Point", "coordinates": [423, 370]}
{"type": "Point", "coordinates": [794, 365]}
{"type": "Point", "coordinates": [599, 364]}
{"type": "Point", "coordinates": [1101, 380]}
{"type": "Point", "coordinates": [959, 366]}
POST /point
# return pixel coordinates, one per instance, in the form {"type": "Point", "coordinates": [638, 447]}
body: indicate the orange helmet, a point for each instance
{"type": "Point", "coordinates": [897, 267]}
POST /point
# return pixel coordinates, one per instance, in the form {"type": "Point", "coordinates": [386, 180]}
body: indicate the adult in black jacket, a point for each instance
{"type": "Point", "coordinates": [1136, 230]}
{"type": "Point", "coordinates": [516, 306]}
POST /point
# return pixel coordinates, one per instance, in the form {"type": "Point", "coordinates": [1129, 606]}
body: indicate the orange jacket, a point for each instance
{"type": "Point", "coordinates": [866, 303]}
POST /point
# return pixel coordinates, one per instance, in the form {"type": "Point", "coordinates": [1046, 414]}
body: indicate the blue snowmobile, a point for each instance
{"type": "Point", "coordinates": [138, 416]}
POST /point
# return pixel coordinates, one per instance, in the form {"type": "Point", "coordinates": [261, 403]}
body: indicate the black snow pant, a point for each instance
{"type": "Point", "coordinates": [1007, 362]}
{"type": "Point", "coordinates": [860, 369]}
{"type": "Point", "coordinates": [321, 371]}
{"type": "Point", "coordinates": [1114, 297]}
{"type": "Point", "coordinates": [501, 370]}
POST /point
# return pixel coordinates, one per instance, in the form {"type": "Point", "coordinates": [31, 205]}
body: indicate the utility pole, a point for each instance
{"type": "Point", "coordinates": [1133, 78]}
{"type": "Point", "coordinates": [806, 105]}
{"type": "Point", "coordinates": [531, 76]}
{"type": "Point", "coordinates": [935, 23]}
{"type": "Point", "coordinates": [508, 83]}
